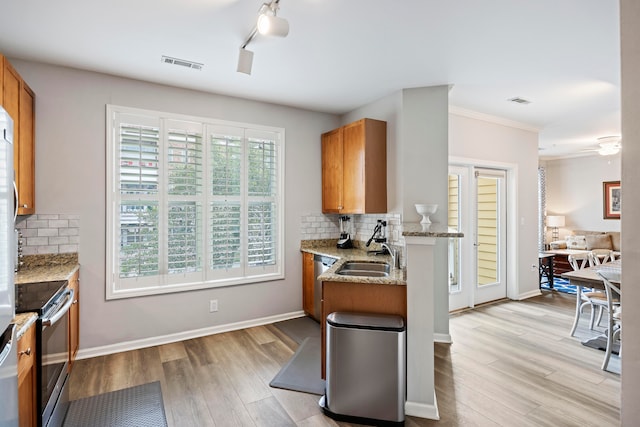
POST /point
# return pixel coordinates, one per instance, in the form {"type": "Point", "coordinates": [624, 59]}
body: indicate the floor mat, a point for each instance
{"type": "Point", "coordinates": [302, 372]}
{"type": "Point", "coordinates": [139, 406]}
{"type": "Point", "coordinates": [299, 328]}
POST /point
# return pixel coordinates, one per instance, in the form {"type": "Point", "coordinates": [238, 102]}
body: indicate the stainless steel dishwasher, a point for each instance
{"type": "Point", "coordinates": [320, 265]}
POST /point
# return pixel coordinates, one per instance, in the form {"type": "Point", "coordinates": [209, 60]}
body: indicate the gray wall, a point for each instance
{"type": "Point", "coordinates": [70, 179]}
{"type": "Point", "coordinates": [417, 166]}
{"type": "Point", "coordinates": [487, 143]}
{"type": "Point", "coordinates": [574, 189]}
{"type": "Point", "coordinates": [70, 156]}
{"type": "Point", "coordinates": [630, 34]}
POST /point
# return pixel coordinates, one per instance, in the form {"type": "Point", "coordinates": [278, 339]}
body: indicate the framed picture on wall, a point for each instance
{"type": "Point", "coordinates": [611, 199]}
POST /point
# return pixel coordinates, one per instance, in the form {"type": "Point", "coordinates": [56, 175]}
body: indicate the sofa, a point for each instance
{"type": "Point", "coordinates": [581, 241]}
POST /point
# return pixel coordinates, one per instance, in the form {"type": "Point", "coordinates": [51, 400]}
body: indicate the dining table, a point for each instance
{"type": "Point", "coordinates": [589, 278]}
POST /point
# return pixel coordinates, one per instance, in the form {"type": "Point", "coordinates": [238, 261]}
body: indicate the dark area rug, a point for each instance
{"type": "Point", "coordinates": [600, 343]}
{"type": "Point", "coordinates": [560, 285]}
{"type": "Point", "coordinates": [139, 406]}
{"type": "Point", "coordinates": [302, 372]}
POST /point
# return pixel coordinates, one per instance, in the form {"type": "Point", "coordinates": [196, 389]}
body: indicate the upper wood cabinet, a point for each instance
{"type": "Point", "coordinates": [19, 101]}
{"type": "Point", "coordinates": [354, 168]}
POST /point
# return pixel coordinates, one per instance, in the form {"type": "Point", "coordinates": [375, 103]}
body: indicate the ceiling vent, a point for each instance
{"type": "Point", "coordinates": [182, 62]}
{"type": "Point", "coordinates": [519, 100]}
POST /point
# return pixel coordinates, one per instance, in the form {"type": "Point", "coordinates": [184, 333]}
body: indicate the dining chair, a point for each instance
{"type": "Point", "coordinates": [601, 256]}
{"type": "Point", "coordinates": [612, 287]}
{"type": "Point", "coordinates": [595, 300]}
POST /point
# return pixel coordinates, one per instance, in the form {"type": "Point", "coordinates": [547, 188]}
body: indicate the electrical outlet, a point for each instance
{"type": "Point", "coordinates": [213, 305]}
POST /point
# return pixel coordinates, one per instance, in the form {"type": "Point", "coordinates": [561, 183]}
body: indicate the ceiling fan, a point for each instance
{"type": "Point", "coordinates": [607, 146]}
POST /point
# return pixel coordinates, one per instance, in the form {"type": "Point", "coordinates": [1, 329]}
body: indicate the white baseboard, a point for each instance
{"type": "Point", "coordinates": [443, 338]}
{"type": "Point", "coordinates": [529, 294]}
{"type": "Point", "coordinates": [422, 410]}
{"type": "Point", "coordinates": [86, 353]}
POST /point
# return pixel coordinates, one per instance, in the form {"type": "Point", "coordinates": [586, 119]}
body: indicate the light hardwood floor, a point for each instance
{"type": "Point", "coordinates": [511, 364]}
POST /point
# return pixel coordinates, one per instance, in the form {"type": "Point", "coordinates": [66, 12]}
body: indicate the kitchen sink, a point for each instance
{"type": "Point", "coordinates": [370, 269]}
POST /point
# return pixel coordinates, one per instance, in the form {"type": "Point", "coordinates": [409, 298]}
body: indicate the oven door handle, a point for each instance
{"type": "Point", "coordinates": [62, 311]}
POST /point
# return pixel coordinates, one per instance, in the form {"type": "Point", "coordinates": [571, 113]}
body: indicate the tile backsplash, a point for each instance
{"type": "Point", "coordinates": [314, 226]}
{"type": "Point", "coordinates": [49, 233]}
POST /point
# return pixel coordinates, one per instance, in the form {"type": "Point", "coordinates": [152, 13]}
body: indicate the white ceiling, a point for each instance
{"type": "Point", "coordinates": [563, 56]}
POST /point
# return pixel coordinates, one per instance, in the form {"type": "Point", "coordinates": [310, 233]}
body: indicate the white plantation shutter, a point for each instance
{"type": "Point", "coordinates": [139, 158]}
{"type": "Point", "coordinates": [193, 203]}
{"type": "Point", "coordinates": [262, 195]}
{"type": "Point", "coordinates": [226, 166]}
{"type": "Point", "coordinates": [184, 170]}
{"type": "Point", "coordinates": [139, 243]}
{"type": "Point", "coordinates": [137, 224]}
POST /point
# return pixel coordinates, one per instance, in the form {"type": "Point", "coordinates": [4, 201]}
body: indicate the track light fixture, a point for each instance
{"type": "Point", "coordinates": [245, 61]}
{"type": "Point", "coordinates": [268, 24]}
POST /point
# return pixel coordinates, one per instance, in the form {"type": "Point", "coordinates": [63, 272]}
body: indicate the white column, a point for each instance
{"type": "Point", "coordinates": [421, 397]}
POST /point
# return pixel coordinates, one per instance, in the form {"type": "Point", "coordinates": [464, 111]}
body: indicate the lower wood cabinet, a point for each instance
{"type": "Point", "coordinates": [27, 371]}
{"type": "Point", "coordinates": [307, 283]}
{"type": "Point", "coordinates": [361, 298]}
{"type": "Point", "coordinates": [74, 319]}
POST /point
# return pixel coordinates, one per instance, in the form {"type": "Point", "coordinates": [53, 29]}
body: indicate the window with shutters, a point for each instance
{"type": "Point", "coordinates": [192, 203]}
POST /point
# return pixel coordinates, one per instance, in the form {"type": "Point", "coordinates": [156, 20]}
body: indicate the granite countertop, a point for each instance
{"type": "Point", "coordinates": [43, 268]}
{"type": "Point", "coordinates": [328, 248]}
{"type": "Point", "coordinates": [429, 230]}
{"type": "Point", "coordinates": [23, 321]}
{"type": "Point", "coordinates": [47, 268]}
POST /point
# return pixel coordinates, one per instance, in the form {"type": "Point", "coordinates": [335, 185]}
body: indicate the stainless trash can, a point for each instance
{"type": "Point", "coordinates": [365, 368]}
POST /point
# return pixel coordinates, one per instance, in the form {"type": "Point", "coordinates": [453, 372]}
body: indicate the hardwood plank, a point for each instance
{"type": "Point", "coordinates": [86, 378]}
{"type": "Point", "coordinates": [268, 413]}
{"type": "Point", "coordinates": [199, 351]}
{"type": "Point", "coordinates": [511, 363]}
{"type": "Point", "coordinates": [172, 351]}
{"type": "Point", "coordinates": [184, 398]}
{"type": "Point", "coordinates": [284, 338]}
{"type": "Point", "coordinates": [299, 406]}
{"type": "Point", "coordinates": [317, 421]}
{"type": "Point", "coordinates": [246, 381]}
{"type": "Point", "coordinates": [225, 406]}
{"type": "Point", "coordinates": [118, 372]}
{"type": "Point", "coordinates": [261, 334]}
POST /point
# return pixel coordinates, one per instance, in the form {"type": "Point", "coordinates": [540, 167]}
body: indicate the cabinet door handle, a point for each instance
{"type": "Point", "coordinates": [25, 206]}
{"type": "Point", "coordinates": [26, 352]}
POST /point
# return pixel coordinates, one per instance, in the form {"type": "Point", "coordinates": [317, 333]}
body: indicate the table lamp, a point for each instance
{"type": "Point", "coordinates": [555, 221]}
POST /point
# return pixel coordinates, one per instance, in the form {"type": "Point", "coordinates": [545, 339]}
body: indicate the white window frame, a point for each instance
{"type": "Point", "coordinates": [207, 278]}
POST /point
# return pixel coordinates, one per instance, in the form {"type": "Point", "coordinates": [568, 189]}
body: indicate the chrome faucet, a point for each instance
{"type": "Point", "coordinates": [395, 256]}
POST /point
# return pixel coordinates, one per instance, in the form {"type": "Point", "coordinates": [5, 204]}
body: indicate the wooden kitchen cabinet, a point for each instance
{"type": "Point", "coordinates": [27, 371]}
{"type": "Point", "coordinates": [361, 298]}
{"type": "Point", "coordinates": [307, 283]}
{"type": "Point", "coordinates": [74, 319]}
{"type": "Point", "coordinates": [19, 101]}
{"type": "Point", "coordinates": [354, 168]}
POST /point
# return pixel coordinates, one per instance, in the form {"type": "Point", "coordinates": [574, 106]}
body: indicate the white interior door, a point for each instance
{"type": "Point", "coordinates": [477, 263]}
